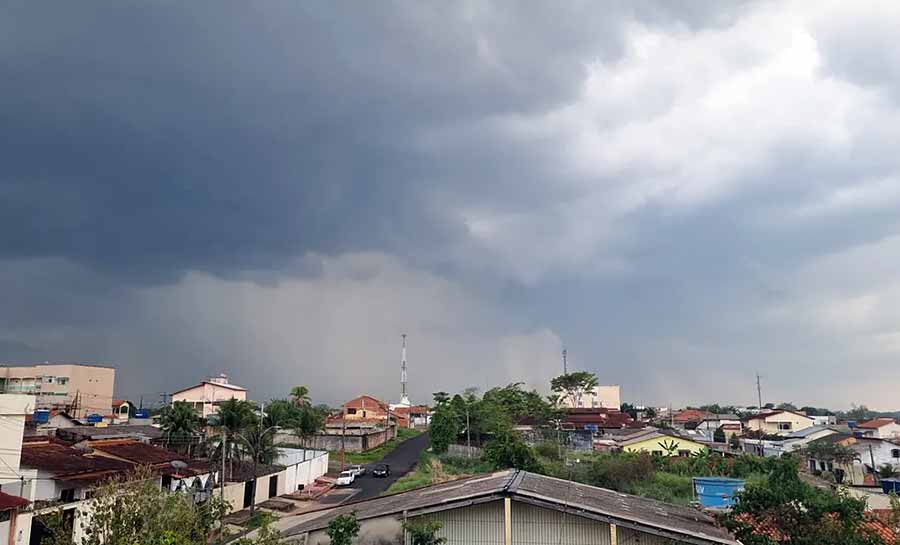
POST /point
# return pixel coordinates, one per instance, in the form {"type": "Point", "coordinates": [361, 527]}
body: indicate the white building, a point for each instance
{"type": "Point", "coordinates": [779, 422]}
{"type": "Point", "coordinates": [606, 397]}
{"type": "Point", "coordinates": [206, 396]}
{"type": "Point", "coordinates": [880, 428]}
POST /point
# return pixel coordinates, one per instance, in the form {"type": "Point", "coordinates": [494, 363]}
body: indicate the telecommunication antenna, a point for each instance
{"type": "Point", "coordinates": [404, 399]}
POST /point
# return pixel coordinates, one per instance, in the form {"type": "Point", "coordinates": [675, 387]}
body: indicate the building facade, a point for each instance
{"type": "Point", "coordinates": [779, 422]}
{"type": "Point", "coordinates": [655, 442]}
{"type": "Point", "coordinates": [606, 397]}
{"type": "Point", "coordinates": [206, 396]}
{"type": "Point", "coordinates": [79, 389]}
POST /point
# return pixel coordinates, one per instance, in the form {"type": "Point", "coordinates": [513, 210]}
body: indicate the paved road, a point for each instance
{"type": "Point", "coordinates": [401, 459]}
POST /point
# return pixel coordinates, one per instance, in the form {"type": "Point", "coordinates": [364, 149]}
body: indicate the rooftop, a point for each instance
{"type": "Point", "coordinates": [134, 451]}
{"type": "Point", "coordinates": [876, 423]}
{"type": "Point", "coordinates": [651, 516]}
{"type": "Point", "coordinates": [8, 501]}
{"type": "Point", "coordinates": [763, 416]}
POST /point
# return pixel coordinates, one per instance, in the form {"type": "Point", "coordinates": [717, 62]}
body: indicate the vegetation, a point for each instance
{"type": "Point", "coordinates": [798, 512]}
{"type": "Point", "coordinates": [136, 510]}
{"type": "Point", "coordinates": [379, 452]}
{"type": "Point", "coordinates": [432, 469]}
{"type": "Point", "coordinates": [719, 435]}
{"type": "Point", "coordinates": [424, 532]}
{"type": "Point", "coordinates": [574, 385]}
{"type": "Point", "coordinates": [180, 422]}
{"type": "Point", "coordinates": [508, 450]}
{"type": "Point", "coordinates": [343, 529]}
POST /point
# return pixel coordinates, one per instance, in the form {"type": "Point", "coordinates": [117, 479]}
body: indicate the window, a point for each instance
{"type": "Point", "coordinates": [123, 409]}
{"type": "Point", "coordinates": [657, 453]}
{"type": "Point", "coordinates": [895, 453]}
{"type": "Point", "coordinates": [684, 453]}
{"type": "Point", "coordinates": [784, 425]}
{"type": "Point", "coordinates": [48, 380]}
{"type": "Point", "coordinates": [351, 411]}
{"type": "Point", "coordinates": [62, 381]}
{"type": "Point", "coordinates": [67, 494]}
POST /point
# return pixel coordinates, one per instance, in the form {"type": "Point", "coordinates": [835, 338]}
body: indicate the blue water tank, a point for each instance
{"type": "Point", "coordinates": [41, 416]}
{"type": "Point", "coordinates": [94, 418]}
{"type": "Point", "coordinates": [890, 485]}
{"type": "Point", "coordinates": [142, 413]}
{"type": "Point", "coordinates": [717, 491]}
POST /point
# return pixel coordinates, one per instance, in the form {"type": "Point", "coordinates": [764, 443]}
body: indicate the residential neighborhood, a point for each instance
{"type": "Point", "coordinates": [449, 272]}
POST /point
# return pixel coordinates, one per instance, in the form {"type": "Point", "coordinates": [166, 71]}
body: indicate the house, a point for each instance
{"type": "Point", "coordinates": [654, 441]}
{"type": "Point", "coordinates": [871, 454]}
{"type": "Point", "coordinates": [597, 420]}
{"type": "Point", "coordinates": [780, 422]}
{"type": "Point", "coordinates": [414, 415]}
{"type": "Point", "coordinates": [518, 507]}
{"type": "Point", "coordinates": [366, 408]}
{"type": "Point", "coordinates": [122, 410]}
{"type": "Point", "coordinates": [730, 424]}
{"type": "Point", "coordinates": [206, 396]}
{"type": "Point", "coordinates": [689, 418]}
{"type": "Point", "coordinates": [880, 428]}
{"type": "Point", "coordinates": [13, 530]}
{"type": "Point", "coordinates": [79, 389]}
{"type": "Point", "coordinates": [607, 397]}
{"type": "Point", "coordinates": [142, 433]}
{"type": "Point", "coordinates": [790, 443]}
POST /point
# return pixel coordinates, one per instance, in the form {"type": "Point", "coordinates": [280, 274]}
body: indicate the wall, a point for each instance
{"type": "Point", "coordinates": [303, 467]}
{"type": "Point", "coordinates": [13, 408]}
{"type": "Point", "coordinates": [354, 440]}
{"type": "Point", "coordinates": [653, 444]}
{"type": "Point", "coordinates": [483, 524]}
{"type": "Point", "coordinates": [770, 425]}
{"type": "Point", "coordinates": [21, 524]}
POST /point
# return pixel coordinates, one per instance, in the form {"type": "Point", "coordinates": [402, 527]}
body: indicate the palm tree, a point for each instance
{"type": "Point", "coordinates": [300, 395]}
{"type": "Point", "coordinates": [179, 420]}
{"type": "Point", "coordinates": [234, 416]}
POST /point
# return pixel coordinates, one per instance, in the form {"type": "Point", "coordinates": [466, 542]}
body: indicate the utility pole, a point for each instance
{"type": "Point", "coordinates": [758, 395]}
{"type": "Point", "coordinates": [343, 433]}
{"type": "Point", "coordinates": [874, 469]}
{"type": "Point", "coordinates": [224, 451]}
{"type": "Point", "coordinates": [565, 362]}
{"type": "Point", "coordinates": [468, 434]}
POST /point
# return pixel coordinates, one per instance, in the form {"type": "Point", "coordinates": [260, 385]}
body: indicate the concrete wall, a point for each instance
{"type": "Point", "coordinates": [13, 408]}
{"type": "Point", "coordinates": [303, 467]}
{"type": "Point", "coordinates": [354, 440]}
{"type": "Point", "coordinates": [17, 530]}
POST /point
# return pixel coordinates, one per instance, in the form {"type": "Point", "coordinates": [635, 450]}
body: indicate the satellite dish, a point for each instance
{"type": "Point", "coordinates": [178, 464]}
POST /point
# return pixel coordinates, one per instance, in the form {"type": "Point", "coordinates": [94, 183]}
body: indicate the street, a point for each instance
{"type": "Point", "coordinates": [402, 459]}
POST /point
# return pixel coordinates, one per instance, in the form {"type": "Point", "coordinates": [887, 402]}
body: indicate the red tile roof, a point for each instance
{"type": "Point", "coordinates": [602, 418]}
{"type": "Point", "coordinates": [8, 501]}
{"type": "Point", "coordinates": [135, 451]}
{"type": "Point", "coordinates": [65, 460]}
{"type": "Point", "coordinates": [691, 415]}
{"type": "Point", "coordinates": [876, 423]}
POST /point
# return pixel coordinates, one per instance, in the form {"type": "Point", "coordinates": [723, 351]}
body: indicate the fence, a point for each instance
{"type": "Point", "coordinates": [462, 451]}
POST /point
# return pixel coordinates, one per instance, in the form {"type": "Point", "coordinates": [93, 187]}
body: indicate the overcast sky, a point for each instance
{"type": "Point", "coordinates": [682, 194]}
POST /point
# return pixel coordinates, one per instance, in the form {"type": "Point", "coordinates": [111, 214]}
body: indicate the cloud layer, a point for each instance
{"type": "Point", "coordinates": [682, 195]}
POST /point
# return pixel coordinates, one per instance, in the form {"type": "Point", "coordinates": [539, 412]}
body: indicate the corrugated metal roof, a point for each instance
{"type": "Point", "coordinates": [8, 501]}
{"type": "Point", "coordinates": [574, 498]}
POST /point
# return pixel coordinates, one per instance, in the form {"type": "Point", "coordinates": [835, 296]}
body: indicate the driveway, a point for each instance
{"type": "Point", "coordinates": [402, 459]}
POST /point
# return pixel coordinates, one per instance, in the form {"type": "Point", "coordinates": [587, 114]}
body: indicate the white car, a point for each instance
{"type": "Point", "coordinates": [346, 478]}
{"type": "Point", "coordinates": [358, 470]}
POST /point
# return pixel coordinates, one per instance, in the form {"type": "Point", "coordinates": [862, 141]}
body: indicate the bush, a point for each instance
{"type": "Point", "coordinates": [548, 450]}
{"type": "Point", "coordinates": [508, 450]}
{"type": "Point", "coordinates": [620, 471]}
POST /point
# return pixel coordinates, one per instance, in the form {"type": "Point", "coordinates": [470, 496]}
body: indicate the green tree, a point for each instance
{"type": "Point", "coordinates": [135, 510]}
{"type": "Point", "coordinates": [805, 515]}
{"type": "Point", "coordinates": [629, 409]}
{"type": "Point", "coordinates": [342, 529]}
{"type": "Point", "coordinates": [887, 471]}
{"type": "Point", "coordinates": [670, 447]}
{"type": "Point", "coordinates": [424, 532]}
{"type": "Point", "coordinates": [574, 385]}
{"type": "Point", "coordinates": [300, 396]}
{"type": "Point", "coordinates": [282, 413]}
{"type": "Point", "coordinates": [719, 435]}
{"type": "Point", "coordinates": [786, 406]}
{"type": "Point", "coordinates": [444, 428]}
{"type": "Point", "coordinates": [649, 413]}
{"type": "Point", "coordinates": [441, 397]}
{"type": "Point", "coordinates": [507, 450]}
{"type": "Point", "coordinates": [179, 422]}
{"type": "Point", "coordinates": [859, 412]}
{"type": "Point", "coordinates": [734, 442]}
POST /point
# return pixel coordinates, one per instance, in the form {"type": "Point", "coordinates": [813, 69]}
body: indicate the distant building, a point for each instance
{"type": "Point", "coordinates": [880, 428]}
{"type": "Point", "coordinates": [206, 396]}
{"type": "Point", "coordinates": [730, 424]}
{"type": "Point", "coordinates": [79, 389]}
{"type": "Point", "coordinates": [607, 397]}
{"type": "Point", "coordinates": [121, 411]}
{"type": "Point", "coordinates": [780, 422]}
{"type": "Point", "coordinates": [690, 418]}
{"type": "Point", "coordinates": [653, 441]}
{"type": "Point", "coordinates": [597, 420]}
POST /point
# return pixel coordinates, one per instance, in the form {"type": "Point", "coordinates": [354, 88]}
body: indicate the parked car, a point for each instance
{"type": "Point", "coordinates": [358, 470]}
{"type": "Point", "coordinates": [346, 478]}
{"type": "Point", "coordinates": [381, 470]}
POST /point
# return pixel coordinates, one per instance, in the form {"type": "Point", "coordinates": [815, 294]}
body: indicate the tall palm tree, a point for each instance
{"type": "Point", "coordinates": [300, 395]}
{"type": "Point", "coordinates": [179, 421]}
{"type": "Point", "coordinates": [234, 415]}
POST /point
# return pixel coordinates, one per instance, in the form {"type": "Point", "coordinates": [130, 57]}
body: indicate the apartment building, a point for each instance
{"type": "Point", "coordinates": [206, 396]}
{"type": "Point", "coordinates": [79, 389]}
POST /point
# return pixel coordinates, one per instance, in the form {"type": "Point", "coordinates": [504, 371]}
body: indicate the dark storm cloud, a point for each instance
{"type": "Point", "coordinates": [153, 138]}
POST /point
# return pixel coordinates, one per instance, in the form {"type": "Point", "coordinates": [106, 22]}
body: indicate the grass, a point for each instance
{"type": "Point", "coordinates": [379, 452]}
{"type": "Point", "coordinates": [259, 519]}
{"type": "Point", "coordinates": [432, 469]}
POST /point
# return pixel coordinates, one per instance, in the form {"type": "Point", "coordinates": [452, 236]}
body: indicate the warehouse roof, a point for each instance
{"type": "Point", "coordinates": [642, 514]}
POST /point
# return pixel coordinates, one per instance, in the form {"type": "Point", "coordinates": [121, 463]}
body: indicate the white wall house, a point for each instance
{"type": "Point", "coordinates": [880, 428]}
{"type": "Point", "coordinates": [779, 422]}
{"type": "Point", "coordinates": [206, 396]}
